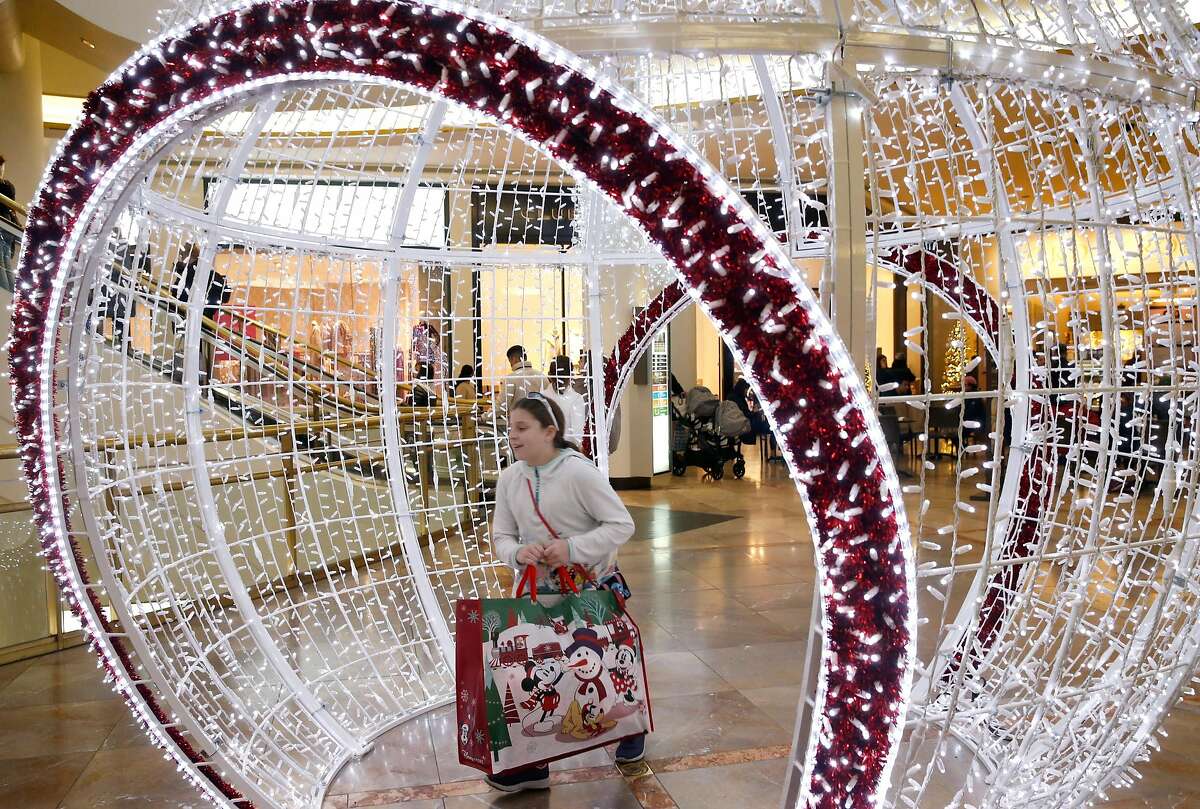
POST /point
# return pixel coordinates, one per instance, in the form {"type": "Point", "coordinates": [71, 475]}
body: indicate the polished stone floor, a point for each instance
{"type": "Point", "coordinates": [722, 574]}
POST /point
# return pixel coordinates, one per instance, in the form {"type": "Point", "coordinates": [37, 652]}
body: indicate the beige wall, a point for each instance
{"type": "Point", "coordinates": [684, 344]}
{"type": "Point", "coordinates": [65, 75]}
{"type": "Point", "coordinates": [708, 355]}
{"type": "Point", "coordinates": [21, 139]}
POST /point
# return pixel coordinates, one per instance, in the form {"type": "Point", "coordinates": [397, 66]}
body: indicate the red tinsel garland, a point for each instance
{"type": "Point", "coordinates": [788, 350]}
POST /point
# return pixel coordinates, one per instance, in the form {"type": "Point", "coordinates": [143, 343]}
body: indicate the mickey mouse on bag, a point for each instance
{"type": "Point", "coordinates": [541, 683]}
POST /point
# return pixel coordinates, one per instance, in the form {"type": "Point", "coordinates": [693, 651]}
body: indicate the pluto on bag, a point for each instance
{"type": "Point", "coordinates": [537, 683]}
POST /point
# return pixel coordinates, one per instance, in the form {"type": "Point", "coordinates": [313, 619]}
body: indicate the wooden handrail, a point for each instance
{"type": "Point", "coordinates": [169, 438]}
{"type": "Point", "coordinates": [9, 202]}
{"type": "Point", "coordinates": [228, 480]}
{"type": "Point", "coordinates": [336, 357]}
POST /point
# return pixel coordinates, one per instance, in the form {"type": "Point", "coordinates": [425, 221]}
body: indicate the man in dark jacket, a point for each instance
{"type": "Point", "coordinates": [216, 295]}
{"type": "Point", "coordinates": [8, 240]}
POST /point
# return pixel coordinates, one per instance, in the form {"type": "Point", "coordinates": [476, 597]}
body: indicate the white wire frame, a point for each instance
{"type": "Point", "coordinates": [1149, 201]}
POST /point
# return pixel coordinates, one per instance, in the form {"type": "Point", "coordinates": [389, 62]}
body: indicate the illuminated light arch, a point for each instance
{"type": "Point", "coordinates": [730, 262]}
{"type": "Point", "coordinates": [982, 314]}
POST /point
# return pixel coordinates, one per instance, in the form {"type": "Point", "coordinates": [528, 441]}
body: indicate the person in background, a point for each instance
{"type": "Point", "coordinates": [522, 380]}
{"type": "Point", "coordinates": [8, 241]}
{"type": "Point", "coordinates": [427, 349]}
{"type": "Point", "coordinates": [899, 372]}
{"type": "Point", "coordinates": [120, 306]}
{"type": "Point", "coordinates": [677, 391]}
{"type": "Point", "coordinates": [1062, 370]}
{"type": "Point", "coordinates": [569, 401]}
{"type": "Point", "coordinates": [582, 384]}
{"type": "Point", "coordinates": [883, 374]}
{"type": "Point", "coordinates": [216, 294]}
{"type": "Point", "coordinates": [424, 389]}
{"type": "Point", "coordinates": [744, 398]}
{"type": "Point", "coordinates": [464, 387]}
{"type": "Point", "coordinates": [550, 476]}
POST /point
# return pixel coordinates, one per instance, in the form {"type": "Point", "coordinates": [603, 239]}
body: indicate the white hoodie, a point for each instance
{"type": "Point", "coordinates": [578, 502]}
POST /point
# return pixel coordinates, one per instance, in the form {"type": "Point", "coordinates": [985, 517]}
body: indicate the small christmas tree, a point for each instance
{"type": "Point", "coordinates": [497, 726]}
{"type": "Point", "coordinates": [956, 358]}
{"type": "Point", "coordinates": [510, 708]}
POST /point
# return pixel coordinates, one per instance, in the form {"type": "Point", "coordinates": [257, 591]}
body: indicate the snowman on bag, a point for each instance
{"type": "Point", "coordinates": [585, 718]}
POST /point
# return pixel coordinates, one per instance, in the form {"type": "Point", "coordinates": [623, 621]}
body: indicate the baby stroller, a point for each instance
{"type": "Point", "coordinates": [706, 432]}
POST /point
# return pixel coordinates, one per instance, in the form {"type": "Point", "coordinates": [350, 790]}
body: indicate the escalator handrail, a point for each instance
{"type": "Point", "coordinates": [232, 340]}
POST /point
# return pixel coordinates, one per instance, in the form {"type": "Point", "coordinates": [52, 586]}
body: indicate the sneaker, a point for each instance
{"type": "Point", "coordinates": [532, 778]}
{"type": "Point", "coordinates": [631, 749]}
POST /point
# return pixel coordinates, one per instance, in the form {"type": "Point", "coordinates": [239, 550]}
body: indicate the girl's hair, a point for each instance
{"type": "Point", "coordinates": [548, 414]}
{"type": "Point", "coordinates": [466, 372]}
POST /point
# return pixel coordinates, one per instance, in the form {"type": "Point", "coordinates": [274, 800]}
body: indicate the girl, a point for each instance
{"type": "Point", "coordinates": [581, 506]}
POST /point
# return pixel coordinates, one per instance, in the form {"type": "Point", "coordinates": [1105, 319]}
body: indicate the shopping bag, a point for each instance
{"type": "Point", "coordinates": [537, 682]}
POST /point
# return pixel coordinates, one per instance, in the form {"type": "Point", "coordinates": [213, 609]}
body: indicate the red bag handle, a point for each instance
{"type": "Point", "coordinates": [528, 579]}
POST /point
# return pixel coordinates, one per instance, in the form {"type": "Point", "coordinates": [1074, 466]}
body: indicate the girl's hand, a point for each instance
{"type": "Point", "coordinates": [556, 554]}
{"type": "Point", "coordinates": [530, 554]}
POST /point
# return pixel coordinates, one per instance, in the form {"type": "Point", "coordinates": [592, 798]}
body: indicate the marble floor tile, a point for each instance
{"type": "Point", "coordinates": [758, 784]}
{"type": "Point", "coordinates": [642, 580]}
{"type": "Point", "coordinates": [654, 522]}
{"type": "Point", "coordinates": [673, 674]}
{"type": "Point", "coordinates": [41, 782]}
{"type": "Point", "coordinates": [757, 665]}
{"type": "Point", "coordinates": [780, 702]}
{"type": "Point", "coordinates": [132, 779]}
{"type": "Point", "coordinates": [706, 723]}
{"type": "Point", "coordinates": [733, 627]}
{"type": "Point", "coordinates": [10, 671]}
{"type": "Point", "coordinates": [769, 597]}
{"type": "Point", "coordinates": [655, 637]}
{"type": "Point", "coordinates": [727, 578]}
{"type": "Point", "coordinates": [401, 757]}
{"type": "Point", "coordinates": [127, 733]}
{"type": "Point", "coordinates": [70, 676]}
{"type": "Point", "coordinates": [793, 621]}
{"type": "Point", "coordinates": [697, 602]}
{"type": "Point", "coordinates": [47, 730]}
{"type": "Point", "coordinates": [612, 793]}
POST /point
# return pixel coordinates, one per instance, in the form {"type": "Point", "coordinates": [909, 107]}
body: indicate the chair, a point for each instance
{"type": "Point", "coordinates": [943, 426]}
{"type": "Point", "coordinates": [890, 424]}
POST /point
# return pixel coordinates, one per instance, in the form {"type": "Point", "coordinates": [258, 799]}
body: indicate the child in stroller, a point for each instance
{"type": "Point", "coordinates": [706, 432]}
